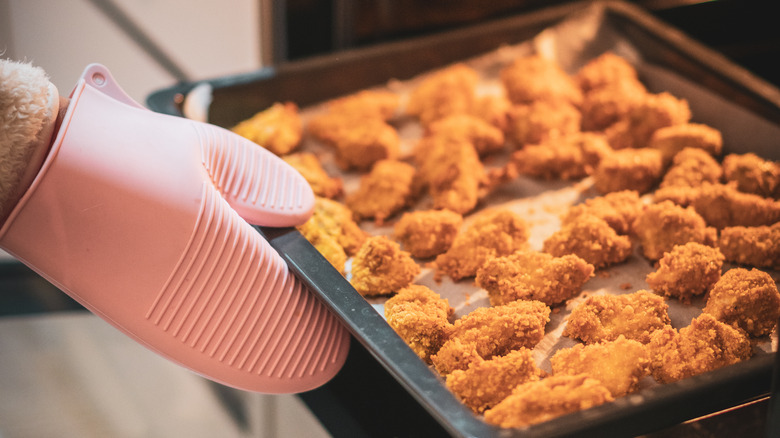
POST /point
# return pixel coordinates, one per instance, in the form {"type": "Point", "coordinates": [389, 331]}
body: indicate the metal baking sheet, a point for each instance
{"type": "Point", "coordinates": [721, 94]}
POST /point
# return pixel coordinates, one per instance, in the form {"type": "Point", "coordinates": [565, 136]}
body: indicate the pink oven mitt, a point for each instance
{"type": "Point", "coordinates": [144, 219]}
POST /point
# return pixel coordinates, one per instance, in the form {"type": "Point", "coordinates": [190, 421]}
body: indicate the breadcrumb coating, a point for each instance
{"type": "Point", "coordinates": [451, 170]}
{"type": "Point", "coordinates": [537, 78]}
{"type": "Point", "coordinates": [705, 345]}
{"type": "Point", "coordinates": [637, 169]}
{"type": "Point", "coordinates": [573, 156]}
{"type": "Point", "coordinates": [605, 317]}
{"type": "Point", "coordinates": [592, 239]}
{"type": "Point", "coordinates": [384, 191]}
{"type": "Point", "coordinates": [421, 317]}
{"type": "Point", "coordinates": [619, 209]}
{"type": "Point", "coordinates": [335, 219]}
{"type": "Point", "coordinates": [493, 109]}
{"type": "Point", "coordinates": [531, 275]}
{"type": "Point", "coordinates": [277, 128]}
{"type": "Point", "coordinates": [373, 103]}
{"type": "Point", "coordinates": [618, 364]}
{"type": "Point", "coordinates": [747, 300]}
{"type": "Point", "coordinates": [603, 107]}
{"type": "Point", "coordinates": [310, 167]}
{"type": "Point", "coordinates": [484, 384]}
{"type": "Point", "coordinates": [604, 71]}
{"type": "Point", "coordinates": [381, 268]}
{"type": "Point", "coordinates": [492, 331]}
{"type": "Point", "coordinates": [443, 93]}
{"type": "Point", "coordinates": [656, 111]}
{"type": "Point", "coordinates": [542, 120]}
{"type": "Point", "coordinates": [753, 174]}
{"type": "Point", "coordinates": [753, 246]}
{"type": "Point", "coordinates": [692, 167]}
{"type": "Point", "coordinates": [686, 271]}
{"type": "Point", "coordinates": [427, 233]}
{"type": "Point", "coordinates": [485, 137]}
{"type": "Point", "coordinates": [326, 244]}
{"type": "Point", "coordinates": [662, 226]}
{"type": "Point", "coordinates": [672, 139]}
{"type": "Point", "coordinates": [546, 399]}
{"type": "Point", "coordinates": [493, 233]}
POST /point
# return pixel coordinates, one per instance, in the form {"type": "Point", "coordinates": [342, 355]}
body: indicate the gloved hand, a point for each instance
{"type": "Point", "coordinates": [142, 218]}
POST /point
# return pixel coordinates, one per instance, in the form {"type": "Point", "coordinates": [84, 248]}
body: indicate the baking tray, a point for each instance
{"type": "Point", "coordinates": [314, 80]}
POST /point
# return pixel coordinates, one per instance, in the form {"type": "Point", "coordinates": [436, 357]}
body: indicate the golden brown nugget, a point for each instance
{"type": "Point", "coordinates": [365, 143]}
{"type": "Point", "coordinates": [531, 275]}
{"type": "Point", "coordinates": [618, 364]}
{"type": "Point", "coordinates": [753, 246]}
{"type": "Point", "coordinates": [629, 169]}
{"type": "Point", "coordinates": [383, 192]}
{"type": "Point", "coordinates": [382, 268]}
{"type": "Point", "coordinates": [335, 219]}
{"type": "Point", "coordinates": [662, 226]}
{"type": "Point", "coordinates": [484, 384]}
{"type": "Point", "coordinates": [445, 92]}
{"type": "Point", "coordinates": [603, 71]}
{"type": "Point", "coordinates": [485, 137]}
{"type": "Point", "coordinates": [722, 205]}
{"type": "Point", "coordinates": [672, 139]}
{"type": "Point", "coordinates": [572, 156]}
{"type": "Point", "coordinates": [686, 271]}
{"type": "Point", "coordinates": [591, 239]}
{"type": "Point", "coordinates": [656, 111]}
{"type": "Point", "coordinates": [747, 300]}
{"type": "Point", "coordinates": [542, 120]}
{"type": "Point", "coordinates": [605, 317]}
{"type": "Point", "coordinates": [493, 109]}
{"type": "Point", "coordinates": [537, 78]}
{"type": "Point", "coordinates": [420, 316]}
{"type": "Point", "coordinates": [310, 167]}
{"type": "Point", "coordinates": [692, 167]}
{"type": "Point", "coordinates": [603, 107]}
{"type": "Point", "coordinates": [753, 174]}
{"type": "Point", "coordinates": [493, 233]}
{"type": "Point", "coordinates": [451, 170]}
{"type": "Point", "coordinates": [492, 331]}
{"type": "Point", "coordinates": [372, 103]}
{"type": "Point", "coordinates": [278, 128]}
{"type": "Point", "coordinates": [326, 244]}
{"type": "Point", "coordinates": [619, 209]}
{"type": "Point", "coordinates": [705, 345]}
{"type": "Point", "coordinates": [427, 233]}
{"type": "Point", "coordinates": [546, 399]}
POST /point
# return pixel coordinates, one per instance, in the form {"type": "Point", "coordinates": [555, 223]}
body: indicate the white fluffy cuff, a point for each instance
{"type": "Point", "coordinates": [29, 103]}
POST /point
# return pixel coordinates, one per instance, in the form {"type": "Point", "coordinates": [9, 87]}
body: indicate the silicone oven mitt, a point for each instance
{"type": "Point", "coordinates": [144, 219]}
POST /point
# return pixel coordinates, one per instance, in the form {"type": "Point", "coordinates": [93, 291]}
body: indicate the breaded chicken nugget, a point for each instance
{"type": "Point", "coordinates": [531, 275]}
{"type": "Point", "coordinates": [383, 192]}
{"type": "Point", "coordinates": [536, 78]}
{"type": "Point", "coordinates": [484, 384]}
{"type": "Point", "coordinates": [747, 300]}
{"type": "Point", "coordinates": [492, 331]}
{"type": "Point", "coordinates": [656, 111]}
{"type": "Point", "coordinates": [754, 246]}
{"type": "Point", "coordinates": [335, 219]}
{"type": "Point", "coordinates": [662, 226]}
{"type": "Point", "coordinates": [629, 169]}
{"type": "Point", "coordinates": [605, 317]}
{"type": "Point", "coordinates": [692, 167]}
{"type": "Point", "coordinates": [278, 128]}
{"type": "Point", "coordinates": [541, 121]}
{"type": "Point", "coordinates": [493, 233]}
{"type": "Point", "coordinates": [590, 238]}
{"type": "Point", "coordinates": [374, 103]}
{"type": "Point", "coordinates": [603, 71]}
{"type": "Point", "coordinates": [705, 345]}
{"type": "Point", "coordinates": [619, 209]}
{"type": "Point", "coordinates": [485, 137]}
{"type": "Point", "coordinates": [420, 316]}
{"type": "Point", "coordinates": [687, 270]}
{"type": "Point", "coordinates": [572, 156]}
{"type": "Point", "coordinates": [722, 205]}
{"type": "Point", "coordinates": [546, 399]}
{"type": "Point", "coordinates": [494, 109]}
{"type": "Point", "coordinates": [618, 364]}
{"type": "Point", "coordinates": [310, 167]}
{"type": "Point", "coordinates": [753, 174]}
{"type": "Point", "coordinates": [365, 143]}
{"type": "Point", "coordinates": [603, 107]}
{"type": "Point", "coordinates": [326, 244]}
{"type": "Point", "coordinates": [427, 233]}
{"type": "Point", "coordinates": [451, 170]}
{"type": "Point", "coordinates": [381, 268]}
{"type": "Point", "coordinates": [672, 139]}
{"type": "Point", "coordinates": [443, 93]}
